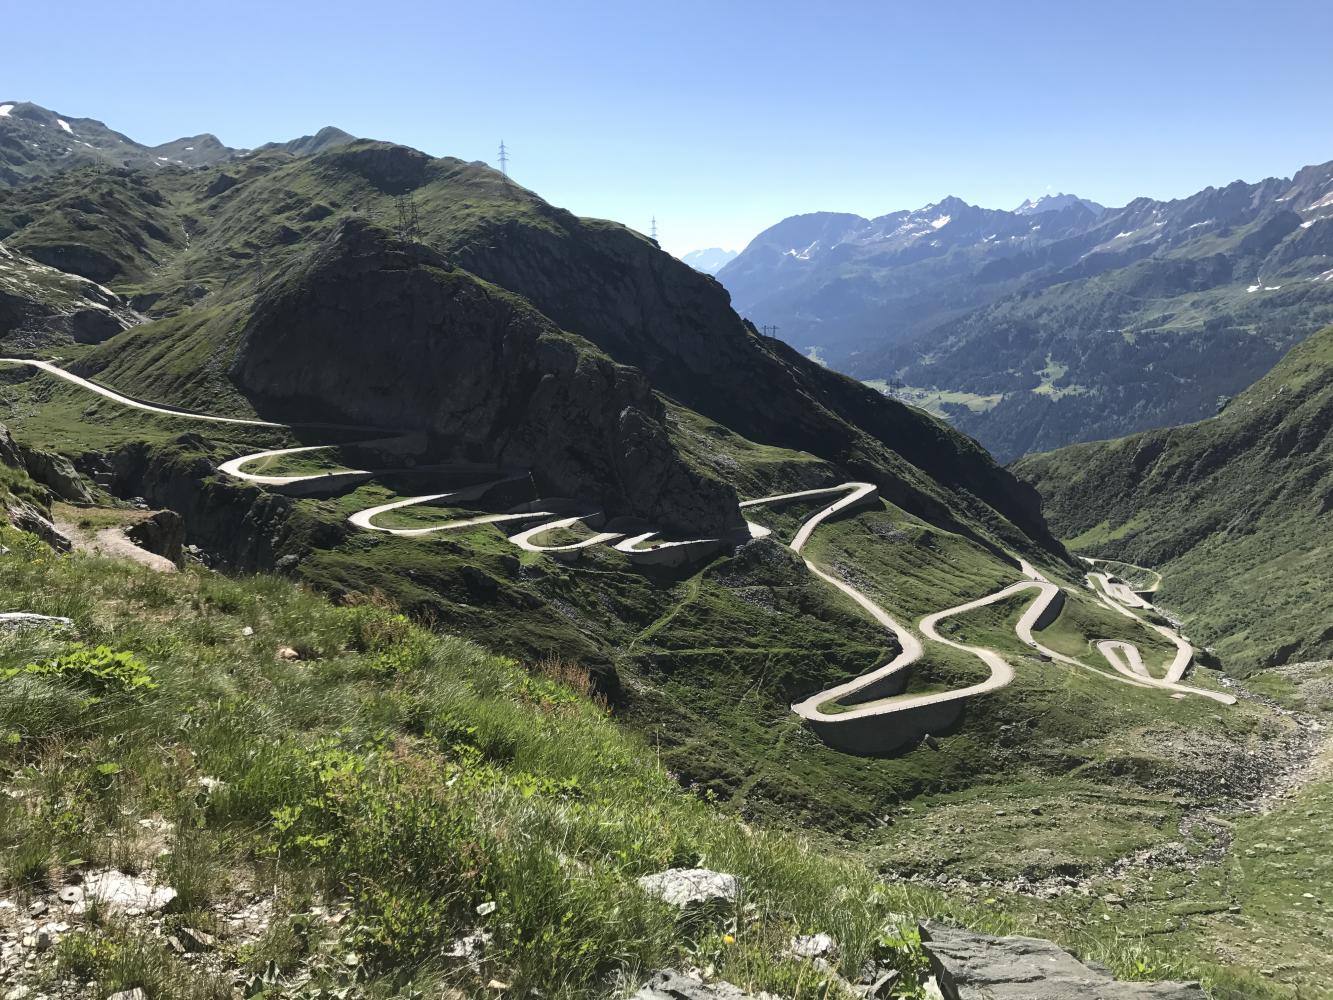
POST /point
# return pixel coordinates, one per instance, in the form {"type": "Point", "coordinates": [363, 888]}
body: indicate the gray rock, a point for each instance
{"type": "Point", "coordinates": [193, 939]}
{"type": "Point", "coordinates": [134, 994]}
{"type": "Point", "coordinates": [55, 472]}
{"type": "Point", "coordinates": [162, 534]}
{"type": "Point", "coordinates": [812, 946]}
{"type": "Point", "coordinates": [470, 948]}
{"type": "Point", "coordinates": [121, 893]}
{"type": "Point", "coordinates": [683, 887]}
{"type": "Point", "coordinates": [675, 986]}
{"type": "Point", "coordinates": [14, 620]}
{"type": "Point", "coordinates": [972, 966]}
{"type": "Point", "coordinates": [28, 518]}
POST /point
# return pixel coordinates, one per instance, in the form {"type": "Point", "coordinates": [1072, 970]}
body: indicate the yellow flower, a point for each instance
{"type": "Point", "coordinates": [728, 938]}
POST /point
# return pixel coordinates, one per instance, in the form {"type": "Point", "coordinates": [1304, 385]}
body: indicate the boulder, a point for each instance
{"type": "Point", "coordinates": [687, 887]}
{"type": "Point", "coordinates": [117, 892]}
{"type": "Point", "coordinates": [55, 472]}
{"type": "Point", "coordinates": [162, 534]}
{"type": "Point", "coordinates": [970, 966]}
{"type": "Point", "coordinates": [28, 518]}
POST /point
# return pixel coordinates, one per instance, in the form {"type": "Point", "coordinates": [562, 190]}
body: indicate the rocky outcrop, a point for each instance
{"type": "Point", "coordinates": [243, 528]}
{"type": "Point", "coordinates": [372, 331]}
{"type": "Point", "coordinates": [25, 517]}
{"type": "Point", "coordinates": [970, 966]}
{"type": "Point", "coordinates": [690, 887]}
{"type": "Point", "coordinates": [40, 305]}
{"type": "Point", "coordinates": [162, 534]}
{"type": "Point", "coordinates": [56, 473]}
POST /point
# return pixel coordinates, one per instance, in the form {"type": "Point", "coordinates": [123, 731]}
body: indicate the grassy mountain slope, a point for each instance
{"type": "Point", "coordinates": [1234, 510]}
{"type": "Point", "coordinates": [241, 224]}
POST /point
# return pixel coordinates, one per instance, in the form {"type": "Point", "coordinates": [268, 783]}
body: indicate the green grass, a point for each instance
{"type": "Point", "coordinates": [414, 774]}
{"type": "Point", "coordinates": [420, 776]}
{"type": "Point", "coordinates": [1231, 510]}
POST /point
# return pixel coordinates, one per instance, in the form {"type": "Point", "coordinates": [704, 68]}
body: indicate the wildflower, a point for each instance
{"type": "Point", "coordinates": [728, 938]}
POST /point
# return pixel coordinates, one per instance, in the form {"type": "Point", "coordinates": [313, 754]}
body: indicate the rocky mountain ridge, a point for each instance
{"type": "Point", "coordinates": [38, 142]}
{"type": "Point", "coordinates": [1031, 331]}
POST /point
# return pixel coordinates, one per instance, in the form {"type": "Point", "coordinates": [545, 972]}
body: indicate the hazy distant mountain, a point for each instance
{"type": "Point", "coordinates": [1055, 202]}
{"type": "Point", "coordinates": [38, 142]}
{"type": "Point", "coordinates": [709, 261]}
{"type": "Point", "coordinates": [1060, 322]}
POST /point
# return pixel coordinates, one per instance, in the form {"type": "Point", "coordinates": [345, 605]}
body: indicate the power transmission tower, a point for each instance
{"type": "Point", "coordinates": [504, 160]}
{"type": "Point", "coordinates": [653, 233]}
{"type": "Point", "coordinates": [409, 223]}
{"type": "Point", "coordinates": [769, 331]}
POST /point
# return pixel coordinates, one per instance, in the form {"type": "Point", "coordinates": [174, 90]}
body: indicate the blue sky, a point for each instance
{"type": "Point", "coordinates": [723, 118]}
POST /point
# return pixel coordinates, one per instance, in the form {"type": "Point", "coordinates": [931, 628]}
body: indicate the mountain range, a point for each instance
{"type": "Point", "coordinates": [37, 142]}
{"type": "Point", "coordinates": [709, 261]}
{"type": "Point", "coordinates": [1062, 321]}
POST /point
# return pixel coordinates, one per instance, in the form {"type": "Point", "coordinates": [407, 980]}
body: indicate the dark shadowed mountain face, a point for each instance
{"type": "Point", "coordinates": [1236, 511]}
{"type": "Point", "coordinates": [1060, 322]}
{"type": "Point", "coordinates": [36, 142]}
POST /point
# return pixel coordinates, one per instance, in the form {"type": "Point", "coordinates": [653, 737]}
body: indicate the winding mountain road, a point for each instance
{"type": "Point", "coordinates": [1124, 657]}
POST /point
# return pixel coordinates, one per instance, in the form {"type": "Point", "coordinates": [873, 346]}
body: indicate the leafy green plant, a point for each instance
{"type": "Point", "coordinates": [100, 668]}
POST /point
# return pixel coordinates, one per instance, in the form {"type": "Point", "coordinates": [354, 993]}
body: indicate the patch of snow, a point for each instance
{"type": "Point", "coordinates": [163, 159]}
{"type": "Point", "coordinates": [1326, 276]}
{"type": "Point", "coordinates": [5, 109]}
{"type": "Point", "coordinates": [189, 149]}
{"type": "Point", "coordinates": [1198, 224]}
{"type": "Point", "coordinates": [1307, 225]}
{"type": "Point", "coordinates": [65, 125]}
{"type": "Point", "coordinates": [1121, 236]}
{"type": "Point", "coordinates": [1254, 288]}
{"type": "Point", "coordinates": [802, 254]}
{"type": "Point", "coordinates": [941, 222]}
{"type": "Point", "coordinates": [1272, 288]}
{"type": "Point", "coordinates": [1324, 202]}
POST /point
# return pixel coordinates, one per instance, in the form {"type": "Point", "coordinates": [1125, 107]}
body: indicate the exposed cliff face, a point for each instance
{"type": "Point", "coordinates": [242, 527]}
{"type": "Point", "coordinates": [647, 309]}
{"type": "Point", "coordinates": [371, 331]}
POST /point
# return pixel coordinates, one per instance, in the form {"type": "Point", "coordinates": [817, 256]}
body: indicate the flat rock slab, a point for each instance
{"type": "Point", "coordinates": [972, 966]}
{"type": "Point", "coordinates": [682, 887]}
{"type": "Point", "coordinates": [131, 894]}
{"type": "Point", "coordinates": [676, 986]}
